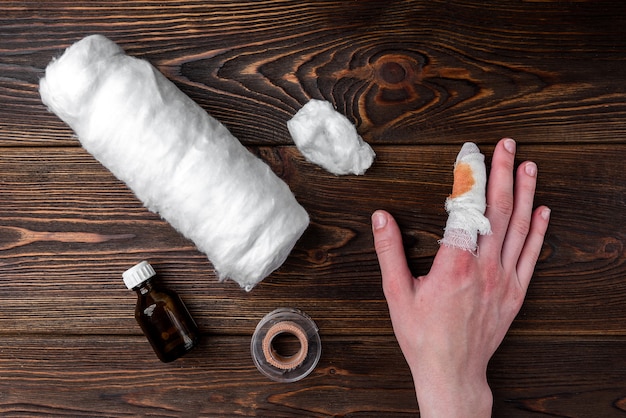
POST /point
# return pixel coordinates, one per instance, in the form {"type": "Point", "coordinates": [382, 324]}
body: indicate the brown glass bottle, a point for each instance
{"type": "Point", "coordinates": [161, 314]}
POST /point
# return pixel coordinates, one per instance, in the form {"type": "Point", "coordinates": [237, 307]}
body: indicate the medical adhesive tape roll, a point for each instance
{"type": "Point", "coordinates": [280, 367]}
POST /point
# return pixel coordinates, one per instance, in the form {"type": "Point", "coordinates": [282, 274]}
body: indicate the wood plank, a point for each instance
{"type": "Point", "coordinates": [412, 72]}
{"type": "Point", "coordinates": [360, 376]}
{"type": "Point", "coordinates": [562, 377]}
{"type": "Point", "coordinates": [97, 229]}
{"type": "Point", "coordinates": [77, 376]}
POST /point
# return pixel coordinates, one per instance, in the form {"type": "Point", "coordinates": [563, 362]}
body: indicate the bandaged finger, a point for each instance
{"type": "Point", "coordinates": [467, 203]}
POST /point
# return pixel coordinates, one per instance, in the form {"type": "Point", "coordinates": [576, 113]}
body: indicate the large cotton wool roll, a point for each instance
{"type": "Point", "coordinates": [179, 161]}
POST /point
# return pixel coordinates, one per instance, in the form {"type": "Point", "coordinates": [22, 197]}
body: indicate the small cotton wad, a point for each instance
{"type": "Point", "coordinates": [179, 161]}
{"type": "Point", "coordinates": [327, 138]}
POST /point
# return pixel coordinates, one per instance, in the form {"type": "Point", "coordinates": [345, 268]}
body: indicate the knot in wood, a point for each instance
{"type": "Point", "coordinates": [392, 72]}
{"type": "Point", "coordinates": [396, 71]}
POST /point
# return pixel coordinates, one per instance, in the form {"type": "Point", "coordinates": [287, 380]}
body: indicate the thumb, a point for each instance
{"type": "Point", "coordinates": [390, 251]}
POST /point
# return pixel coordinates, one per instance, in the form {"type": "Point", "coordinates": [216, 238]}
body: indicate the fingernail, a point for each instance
{"type": "Point", "coordinates": [509, 145]}
{"type": "Point", "coordinates": [379, 220]}
{"type": "Point", "coordinates": [531, 169]}
{"type": "Point", "coordinates": [545, 213]}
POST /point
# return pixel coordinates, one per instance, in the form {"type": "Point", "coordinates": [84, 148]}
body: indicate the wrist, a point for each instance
{"type": "Point", "coordinates": [455, 397]}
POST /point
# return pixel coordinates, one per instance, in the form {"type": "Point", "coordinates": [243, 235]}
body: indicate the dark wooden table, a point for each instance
{"type": "Point", "coordinates": [417, 78]}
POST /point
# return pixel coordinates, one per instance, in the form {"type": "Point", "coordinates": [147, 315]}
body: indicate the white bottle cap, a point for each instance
{"type": "Point", "coordinates": [138, 274]}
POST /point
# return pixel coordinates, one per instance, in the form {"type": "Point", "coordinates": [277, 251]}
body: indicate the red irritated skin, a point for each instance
{"type": "Point", "coordinates": [450, 322]}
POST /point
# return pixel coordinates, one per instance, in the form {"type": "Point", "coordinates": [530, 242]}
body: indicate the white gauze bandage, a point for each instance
{"type": "Point", "coordinates": [179, 161]}
{"type": "Point", "coordinates": [466, 205]}
{"type": "Point", "coordinates": [327, 138]}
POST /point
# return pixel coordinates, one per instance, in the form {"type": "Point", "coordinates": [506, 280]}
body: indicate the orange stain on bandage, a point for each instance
{"type": "Point", "coordinates": [463, 180]}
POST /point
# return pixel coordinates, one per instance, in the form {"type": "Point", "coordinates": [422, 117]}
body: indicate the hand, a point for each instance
{"type": "Point", "coordinates": [450, 322]}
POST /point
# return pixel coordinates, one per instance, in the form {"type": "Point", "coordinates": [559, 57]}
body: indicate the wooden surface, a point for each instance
{"type": "Point", "coordinates": [417, 78]}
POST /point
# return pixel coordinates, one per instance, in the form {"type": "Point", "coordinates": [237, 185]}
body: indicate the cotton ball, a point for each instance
{"type": "Point", "coordinates": [327, 138]}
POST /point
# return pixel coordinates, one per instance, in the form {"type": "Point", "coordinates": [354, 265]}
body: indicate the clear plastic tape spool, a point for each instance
{"type": "Point", "coordinates": [275, 365]}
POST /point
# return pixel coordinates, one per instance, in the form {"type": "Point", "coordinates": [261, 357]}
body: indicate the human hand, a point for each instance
{"type": "Point", "coordinates": [450, 322]}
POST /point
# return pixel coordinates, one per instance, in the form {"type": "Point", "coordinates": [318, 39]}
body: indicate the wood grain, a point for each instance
{"type": "Point", "coordinates": [413, 72]}
{"type": "Point", "coordinates": [365, 376]}
{"type": "Point", "coordinates": [67, 224]}
{"type": "Point", "coordinates": [417, 78]}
